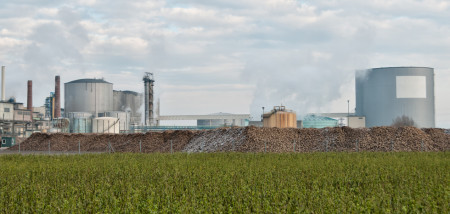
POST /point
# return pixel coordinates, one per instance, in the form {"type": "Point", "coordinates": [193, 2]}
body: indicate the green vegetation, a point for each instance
{"type": "Point", "coordinates": [227, 182]}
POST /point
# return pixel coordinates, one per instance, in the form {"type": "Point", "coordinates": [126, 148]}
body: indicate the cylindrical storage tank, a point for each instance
{"type": "Point", "coordinates": [88, 95]}
{"type": "Point", "coordinates": [124, 118]}
{"type": "Point", "coordinates": [80, 122]}
{"type": "Point", "coordinates": [129, 101]}
{"type": "Point", "coordinates": [105, 125]}
{"type": "Point", "coordinates": [386, 94]}
{"type": "Point", "coordinates": [280, 119]}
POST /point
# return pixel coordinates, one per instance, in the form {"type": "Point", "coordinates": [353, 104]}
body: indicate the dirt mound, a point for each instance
{"type": "Point", "coordinates": [248, 139]}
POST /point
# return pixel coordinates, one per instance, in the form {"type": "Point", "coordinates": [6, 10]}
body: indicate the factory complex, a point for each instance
{"type": "Point", "coordinates": [384, 97]}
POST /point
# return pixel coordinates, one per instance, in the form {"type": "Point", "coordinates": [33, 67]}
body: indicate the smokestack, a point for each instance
{"type": "Point", "coordinates": [30, 96]}
{"type": "Point", "coordinates": [3, 83]}
{"type": "Point", "coordinates": [148, 91]}
{"type": "Point", "coordinates": [57, 97]}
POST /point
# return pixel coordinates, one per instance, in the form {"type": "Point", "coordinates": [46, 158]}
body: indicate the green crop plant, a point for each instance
{"type": "Point", "coordinates": [226, 183]}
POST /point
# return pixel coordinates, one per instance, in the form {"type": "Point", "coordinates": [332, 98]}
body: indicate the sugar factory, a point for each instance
{"type": "Point", "coordinates": [383, 95]}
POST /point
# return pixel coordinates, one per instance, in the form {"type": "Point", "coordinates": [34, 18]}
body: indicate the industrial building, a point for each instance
{"type": "Point", "coordinates": [209, 121]}
{"type": "Point", "coordinates": [384, 94]}
{"type": "Point", "coordinates": [317, 121]}
{"type": "Point", "coordinates": [233, 120]}
{"type": "Point", "coordinates": [91, 105]}
{"type": "Point", "coordinates": [16, 120]}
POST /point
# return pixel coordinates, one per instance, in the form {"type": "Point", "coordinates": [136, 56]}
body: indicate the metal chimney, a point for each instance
{"type": "Point", "coordinates": [30, 96]}
{"type": "Point", "coordinates": [3, 83]}
{"type": "Point", "coordinates": [57, 97]}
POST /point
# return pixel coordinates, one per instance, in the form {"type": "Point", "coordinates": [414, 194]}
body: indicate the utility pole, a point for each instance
{"type": "Point", "coordinates": [262, 116]}
{"type": "Point", "coordinates": [348, 113]}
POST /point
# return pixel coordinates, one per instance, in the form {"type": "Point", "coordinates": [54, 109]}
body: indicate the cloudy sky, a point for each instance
{"type": "Point", "coordinates": [224, 55]}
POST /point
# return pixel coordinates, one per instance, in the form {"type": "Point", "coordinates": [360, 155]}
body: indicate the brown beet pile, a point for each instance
{"type": "Point", "coordinates": [249, 139]}
{"type": "Point", "coordinates": [148, 142]}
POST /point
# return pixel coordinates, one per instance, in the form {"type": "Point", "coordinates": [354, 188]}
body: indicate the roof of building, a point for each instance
{"type": "Point", "coordinates": [379, 68]}
{"type": "Point", "coordinates": [313, 117]}
{"type": "Point", "coordinates": [127, 92]}
{"type": "Point", "coordinates": [89, 81]}
{"type": "Point", "coordinates": [220, 113]}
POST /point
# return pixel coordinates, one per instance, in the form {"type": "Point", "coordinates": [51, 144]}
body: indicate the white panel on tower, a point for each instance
{"type": "Point", "coordinates": [411, 87]}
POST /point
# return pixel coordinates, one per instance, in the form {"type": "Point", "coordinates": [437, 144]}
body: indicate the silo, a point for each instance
{"type": "Point", "coordinates": [384, 94]}
{"type": "Point", "coordinates": [80, 122]}
{"type": "Point", "coordinates": [129, 101]}
{"type": "Point", "coordinates": [105, 125]}
{"type": "Point", "coordinates": [280, 117]}
{"type": "Point", "coordinates": [88, 95]}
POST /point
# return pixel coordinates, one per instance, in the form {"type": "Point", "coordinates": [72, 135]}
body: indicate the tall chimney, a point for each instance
{"type": "Point", "coordinates": [57, 97]}
{"type": "Point", "coordinates": [30, 96]}
{"type": "Point", "coordinates": [148, 91]}
{"type": "Point", "coordinates": [3, 83]}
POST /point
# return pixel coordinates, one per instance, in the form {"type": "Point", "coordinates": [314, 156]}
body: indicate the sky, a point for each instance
{"type": "Point", "coordinates": [212, 56]}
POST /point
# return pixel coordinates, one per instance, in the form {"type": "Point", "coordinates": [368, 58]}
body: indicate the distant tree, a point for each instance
{"type": "Point", "coordinates": [403, 121]}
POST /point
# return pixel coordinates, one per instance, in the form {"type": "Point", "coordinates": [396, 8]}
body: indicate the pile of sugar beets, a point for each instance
{"type": "Point", "coordinates": [248, 139]}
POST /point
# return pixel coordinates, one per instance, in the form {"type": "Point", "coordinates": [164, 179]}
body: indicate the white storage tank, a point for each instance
{"type": "Point", "coordinates": [105, 125]}
{"type": "Point", "coordinates": [124, 118]}
{"type": "Point", "coordinates": [385, 94]}
{"type": "Point", "coordinates": [80, 122]}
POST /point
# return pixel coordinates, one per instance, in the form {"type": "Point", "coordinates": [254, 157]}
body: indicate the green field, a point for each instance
{"type": "Point", "coordinates": [226, 183]}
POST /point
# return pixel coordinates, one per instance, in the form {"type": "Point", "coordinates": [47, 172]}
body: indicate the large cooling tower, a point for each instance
{"type": "Point", "coordinates": [384, 94]}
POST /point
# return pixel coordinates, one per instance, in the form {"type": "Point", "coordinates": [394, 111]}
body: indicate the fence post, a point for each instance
{"type": "Point", "coordinates": [357, 146]}
{"type": "Point", "coordinates": [392, 145]}
{"type": "Point", "coordinates": [265, 145]}
{"type": "Point", "coordinates": [294, 145]}
{"type": "Point", "coordinates": [171, 149]}
{"type": "Point", "coordinates": [140, 146]}
{"type": "Point", "coordinates": [79, 147]}
{"type": "Point", "coordinates": [48, 147]}
{"type": "Point", "coordinates": [234, 148]}
{"type": "Point", "coordinates": [19, 147]}
{"type": "Point", "coordinates": [422, 145]}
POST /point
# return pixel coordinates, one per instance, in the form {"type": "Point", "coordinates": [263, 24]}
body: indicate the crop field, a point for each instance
{"type": "Point", "coordinates": [414, 182]}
